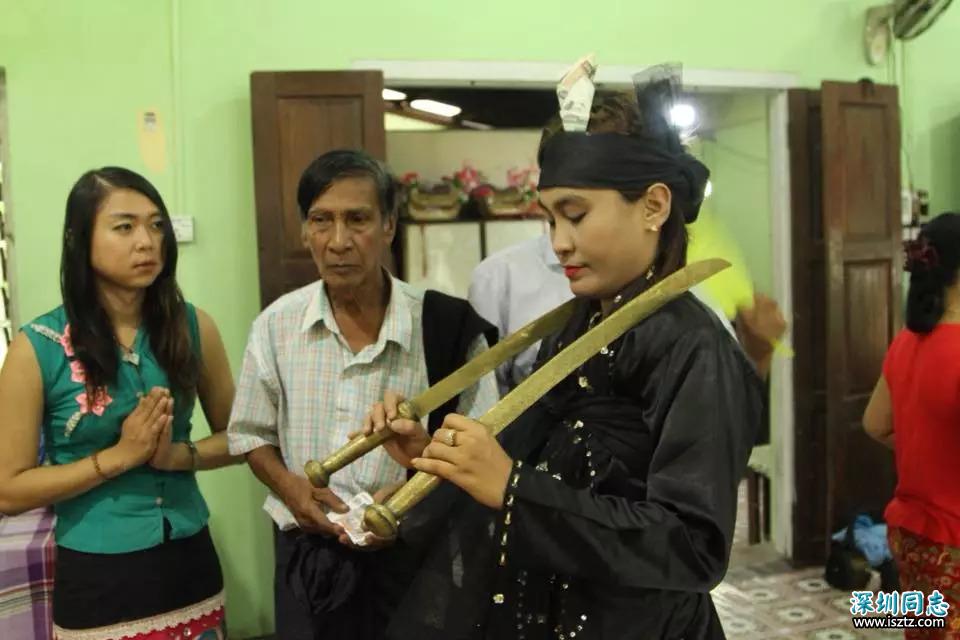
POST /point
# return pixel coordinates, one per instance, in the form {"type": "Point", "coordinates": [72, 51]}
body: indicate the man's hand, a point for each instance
{"type": "Point", "coordinates": [409, 438]}
{"type": "Point", "coordinates": [308, 505]}
{"type": "Point", "coordinates": [373, 542]}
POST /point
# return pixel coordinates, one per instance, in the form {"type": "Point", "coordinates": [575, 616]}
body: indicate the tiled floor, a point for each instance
{"type": "Point", "coordinates": [775, 602]}
{"type": "Point", "coordinates": [764, 597]}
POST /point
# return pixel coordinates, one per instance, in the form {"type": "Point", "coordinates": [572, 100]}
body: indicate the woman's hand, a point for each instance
{"type": "Point", "coordinates": [140, 434]}
{"type": "Point", "coordinates": [464, 452]}
{"type": "Point", "coordinates": [409, 438]}
{"type": "Point", "coordinates": [166, 457]}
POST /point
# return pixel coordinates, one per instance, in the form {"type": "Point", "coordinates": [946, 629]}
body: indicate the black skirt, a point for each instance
{"type": "Point", "coordinates": [100, 589]}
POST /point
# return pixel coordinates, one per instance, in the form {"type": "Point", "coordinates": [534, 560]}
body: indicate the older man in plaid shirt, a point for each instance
{"type": "Point", "coordinates": [316, 361]}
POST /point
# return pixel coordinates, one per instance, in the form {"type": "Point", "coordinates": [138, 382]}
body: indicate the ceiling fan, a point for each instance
{"type": "Point", "coordinates": [901, 19]}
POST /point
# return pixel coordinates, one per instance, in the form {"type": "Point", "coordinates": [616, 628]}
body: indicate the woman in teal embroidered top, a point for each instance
{"type": "Point", "coordinates": [111, 378]}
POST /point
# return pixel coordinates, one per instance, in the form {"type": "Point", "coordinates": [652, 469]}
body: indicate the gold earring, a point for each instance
{"type": "Point", "coordinates": [649, 275]}
{"type": "Point", "coordinates": [653, 228]}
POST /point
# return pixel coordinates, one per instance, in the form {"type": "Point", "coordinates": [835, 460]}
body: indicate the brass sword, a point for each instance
{"type": "Point", "coordinates": [383, 519]}
{"type": "Point", "coordinates": [433, 398]}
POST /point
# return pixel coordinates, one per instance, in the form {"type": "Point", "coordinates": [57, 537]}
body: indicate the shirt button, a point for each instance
{"type": "Point", "coordinates": [159, 501]}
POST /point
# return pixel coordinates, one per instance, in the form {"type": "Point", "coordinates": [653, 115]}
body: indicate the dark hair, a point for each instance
{"type": "Point", "coordinates": [932, 260]}
{"type": "Point", "coordinates": [164, 311]}
{"type": "Point", "coordinates": [346, 163]}
{"type": "Point", "coordinates": [618, 112]}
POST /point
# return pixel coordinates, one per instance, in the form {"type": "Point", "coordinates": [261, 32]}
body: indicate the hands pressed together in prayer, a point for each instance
{"type": "Point", "coordinates": [145, 434]}
{"type": "Point", "coordinates": [462, 451]}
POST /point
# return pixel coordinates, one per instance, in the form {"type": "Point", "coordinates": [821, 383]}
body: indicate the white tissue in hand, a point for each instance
{"type": "Point", "coordinates": [352, 521]}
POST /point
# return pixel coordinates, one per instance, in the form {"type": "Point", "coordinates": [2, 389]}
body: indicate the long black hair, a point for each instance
{"type": "Point", "coordinates": [164, 312]}
{"type": "Point", "coordinates": [932, 260]}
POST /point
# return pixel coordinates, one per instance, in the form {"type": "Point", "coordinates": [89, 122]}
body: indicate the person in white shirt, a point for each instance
{"type": "Point", "coordinates": [523, 281]}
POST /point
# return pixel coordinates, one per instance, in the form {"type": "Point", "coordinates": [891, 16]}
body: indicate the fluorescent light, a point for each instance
{"type": "Point", "coordinates": [470, 124]}
{"type": "Point", "coordinates": [436, 108]}
{"type": "Point", "coordinates": [683, 115]}
{"type": "Point", "coordinates": [396, 122]}
{"type": "Point", "coordinates": [707, 190]}
{"type": "Point", "coordinates": [393, 95]}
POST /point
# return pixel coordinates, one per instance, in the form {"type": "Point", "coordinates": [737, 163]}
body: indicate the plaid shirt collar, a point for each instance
{"type": "Point", "coordinates": [397, 324]}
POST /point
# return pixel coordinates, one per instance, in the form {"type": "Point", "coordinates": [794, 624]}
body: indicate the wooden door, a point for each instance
{"type": "Point", "coordinates": [298, 115]}
{"type": "Point", "coordinates": [861, 212]}
{"type": "Point", "coordinates": [845, 181]}
{"type": "Point", "coordinates": [810, 528]}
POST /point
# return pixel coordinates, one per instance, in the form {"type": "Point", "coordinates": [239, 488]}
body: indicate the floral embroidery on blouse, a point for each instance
{"type": "Point", "coordinates": [65, 342]}
{"type": "Point", "coordinates": [78, 375]}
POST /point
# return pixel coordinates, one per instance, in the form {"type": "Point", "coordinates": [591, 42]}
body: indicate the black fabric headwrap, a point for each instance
{"type": "Point", "coordinates": [624, 163]}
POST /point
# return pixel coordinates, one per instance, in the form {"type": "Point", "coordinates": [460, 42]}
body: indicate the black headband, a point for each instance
{"type": "Point", "coordinates": [624, 163]}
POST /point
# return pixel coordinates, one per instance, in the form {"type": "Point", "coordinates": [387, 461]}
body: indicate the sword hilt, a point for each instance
{"type": "Point", "coordinates": [319, 472]}
{"type": "Point", "coordinates": [383, 520]}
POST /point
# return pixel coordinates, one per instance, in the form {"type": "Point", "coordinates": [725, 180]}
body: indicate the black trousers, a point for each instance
{"type": "Point", "coordinates": [383, 577]}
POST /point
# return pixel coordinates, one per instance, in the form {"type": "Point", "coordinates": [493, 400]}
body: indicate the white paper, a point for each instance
{"type": "Point", "coordinates": [352, 521]}
{"type": "Point", "coordinates": [575, 94]}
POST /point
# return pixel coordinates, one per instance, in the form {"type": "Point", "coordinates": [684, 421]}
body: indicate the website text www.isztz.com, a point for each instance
{"type": "Point", "coordinates": [902, 622]}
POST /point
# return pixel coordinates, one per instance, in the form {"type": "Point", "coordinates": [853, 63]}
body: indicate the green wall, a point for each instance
{"type": "Point", "coordinates": [78, 72]}
{"type": "Point", "coordinates": [930, 103]}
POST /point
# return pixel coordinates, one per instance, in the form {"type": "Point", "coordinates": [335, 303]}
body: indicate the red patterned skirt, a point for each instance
{"type": "Point", "coordinates": [926, 565]}
{"type": "Point", "coordinates": [201, 621]}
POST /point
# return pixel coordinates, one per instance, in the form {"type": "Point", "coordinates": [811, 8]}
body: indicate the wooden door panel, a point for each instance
{"type": "Point", "coordinates": [868, 310]}
{"type": "Point", "coordinates": [297, 116]}
{"type": "Point", "coordinates": [861, 213]}
{"type": "Point", "coordinates": [866, 136]}
{"type": "Point", "coordinates": [300, 140]}
{"type": "Point", "coordinates": [845, 161]}
{"type": "Point", "coordinates": [809, 328]}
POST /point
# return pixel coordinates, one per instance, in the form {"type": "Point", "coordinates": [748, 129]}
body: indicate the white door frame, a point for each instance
{"type": "Point", "coordinates": [458, 73]}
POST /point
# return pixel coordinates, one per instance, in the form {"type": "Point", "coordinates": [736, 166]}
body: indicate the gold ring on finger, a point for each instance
{"type": "Point", "coordinates": [450, 437]}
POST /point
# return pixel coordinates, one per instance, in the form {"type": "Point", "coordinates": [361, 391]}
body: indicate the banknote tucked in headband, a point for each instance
{"type": "Point", "coordinates": [631, 161]}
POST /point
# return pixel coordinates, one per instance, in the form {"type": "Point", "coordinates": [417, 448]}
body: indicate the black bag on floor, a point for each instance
{"type": "Point", "coordinates": [848, 569]}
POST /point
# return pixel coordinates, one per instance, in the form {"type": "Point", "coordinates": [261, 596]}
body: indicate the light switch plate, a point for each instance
{"type": "Point", "coordinates": [182, 228]}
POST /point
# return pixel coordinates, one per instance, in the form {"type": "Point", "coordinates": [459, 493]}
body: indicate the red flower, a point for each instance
{"type": "Point", "coordinates": [518, 177]}
{"type": "Point", "coordinates": [79, 375]}
{"type": "Point", "coordinates": [467, 178]}
{"type": "Point", "coordinates": [483, 191]}
{"type": "Point", "coordinates": [65, 342]}
{"type": "Point", "coordinates": [100, 402]}
{"type": "Point", "coordinates": [77, 372]}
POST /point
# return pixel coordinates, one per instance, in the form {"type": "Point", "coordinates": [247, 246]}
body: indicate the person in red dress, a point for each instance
{"type": "Point", "coordinates": [915, 410]}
